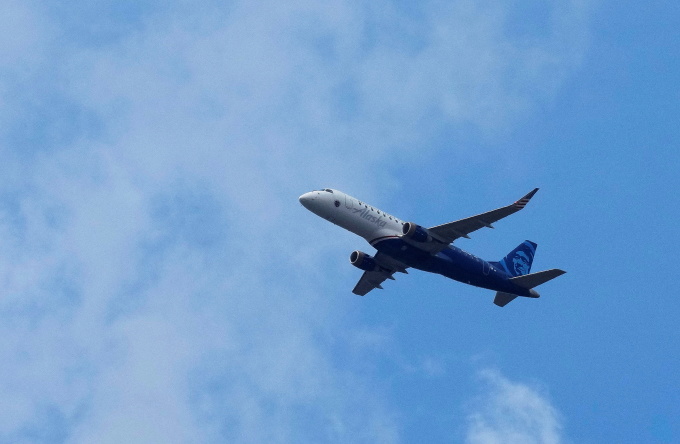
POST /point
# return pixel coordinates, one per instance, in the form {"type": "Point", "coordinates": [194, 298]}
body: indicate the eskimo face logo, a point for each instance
{"type": "Point", "coordinates": [366, 214]}
{"type": "Point", "coordinates": [520, 263]}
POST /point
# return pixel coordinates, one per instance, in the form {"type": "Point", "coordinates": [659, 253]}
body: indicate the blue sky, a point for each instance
{"type": "Point", "coordinates": [161, 283]}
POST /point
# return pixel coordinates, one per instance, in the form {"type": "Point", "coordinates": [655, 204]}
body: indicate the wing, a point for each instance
{"type": "Point", "coordinates": [447, 233]}
{"type": "Point", "coordinates": [372, 279]}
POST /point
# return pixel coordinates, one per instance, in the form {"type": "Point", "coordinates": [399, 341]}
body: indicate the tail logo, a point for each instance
{"type": "Point", "coordinates": [518, 261]}
{"type": "Point", "coordinates": [521, 263]}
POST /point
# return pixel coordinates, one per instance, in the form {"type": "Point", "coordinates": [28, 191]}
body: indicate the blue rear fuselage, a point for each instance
{"type": "Point", "coordinates": [453, 263]}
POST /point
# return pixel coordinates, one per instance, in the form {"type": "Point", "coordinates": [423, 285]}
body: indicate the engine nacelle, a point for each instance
{"type": "Point", "coordinates": [363, 261]}
{"type": "Point", "coordinates": [415, 232]}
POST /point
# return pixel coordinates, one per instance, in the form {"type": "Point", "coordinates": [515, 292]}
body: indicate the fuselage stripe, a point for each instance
{"type": "Point", "coordinates": [378, 239]}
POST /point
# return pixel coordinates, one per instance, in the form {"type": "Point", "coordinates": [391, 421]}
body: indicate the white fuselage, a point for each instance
{"type": "Point", "coordinates": [352, 214]}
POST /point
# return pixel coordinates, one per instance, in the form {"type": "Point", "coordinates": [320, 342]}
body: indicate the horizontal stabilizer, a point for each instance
{"type": "Point", "coordinates": [535, 279]}
{"type": "Point", "coordinates": [503, 299]}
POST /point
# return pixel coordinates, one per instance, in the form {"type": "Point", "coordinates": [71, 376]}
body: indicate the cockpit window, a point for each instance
{"type": "Point", "coordinates": [328, 190]}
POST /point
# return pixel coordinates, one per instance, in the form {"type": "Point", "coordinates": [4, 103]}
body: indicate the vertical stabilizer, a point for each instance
{"type": "Point", "coordinates": [518, 261]}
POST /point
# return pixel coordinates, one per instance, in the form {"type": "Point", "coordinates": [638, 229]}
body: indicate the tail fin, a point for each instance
{"type": "Point", "coordinates": [518, 261]}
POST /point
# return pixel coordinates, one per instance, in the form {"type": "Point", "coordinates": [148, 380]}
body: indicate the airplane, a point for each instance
{"type": "Point", "coordinates": [402, 245]}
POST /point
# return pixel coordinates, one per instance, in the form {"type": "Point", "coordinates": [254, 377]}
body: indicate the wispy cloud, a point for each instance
{"type": "Point", "coordinates": [157, 285]}
{"type": "Point", "coordinates": [512, 412]}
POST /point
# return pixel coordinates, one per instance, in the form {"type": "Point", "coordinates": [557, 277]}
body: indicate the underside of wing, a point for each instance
{"type": "Point", "coordinates": [387, 266]}
{"type": "Point", "coordinates": [462, 228]}
{"type": "Point", "coordinates": [370, 280]}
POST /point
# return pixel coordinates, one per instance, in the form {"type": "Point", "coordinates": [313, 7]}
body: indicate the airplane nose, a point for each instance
{"type": "Point", "coordinates": [306, 199]}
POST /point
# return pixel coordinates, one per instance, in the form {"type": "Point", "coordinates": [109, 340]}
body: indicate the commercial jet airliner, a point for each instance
{"type": "Point", "coordinates": [402, 245]}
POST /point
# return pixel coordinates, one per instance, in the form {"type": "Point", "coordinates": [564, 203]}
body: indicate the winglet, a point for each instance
{"type": "Point", "coordinates": [525, 200]}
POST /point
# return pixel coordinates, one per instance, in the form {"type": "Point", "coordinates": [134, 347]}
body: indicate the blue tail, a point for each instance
{"type": "Point", "coordinates": [518, 261]}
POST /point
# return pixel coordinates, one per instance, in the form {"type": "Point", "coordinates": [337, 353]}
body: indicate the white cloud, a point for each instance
{"type": "Point", "coordinates": [512, 413]}
{"type": "Point", "coordinates": [158, 285]}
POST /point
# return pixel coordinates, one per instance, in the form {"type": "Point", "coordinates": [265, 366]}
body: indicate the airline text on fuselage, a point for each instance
{"type": "Point", "coordinates": [366, 214]}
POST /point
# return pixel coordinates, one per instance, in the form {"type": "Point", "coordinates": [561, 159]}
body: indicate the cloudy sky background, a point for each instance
{"type": "Point", "coordinates": [161, 283]}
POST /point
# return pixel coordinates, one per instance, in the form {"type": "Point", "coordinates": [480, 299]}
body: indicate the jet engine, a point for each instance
{"type": "Point", "coordinates": [415, 232]}
{"type": "Point", "coordinates": [363, 261]}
